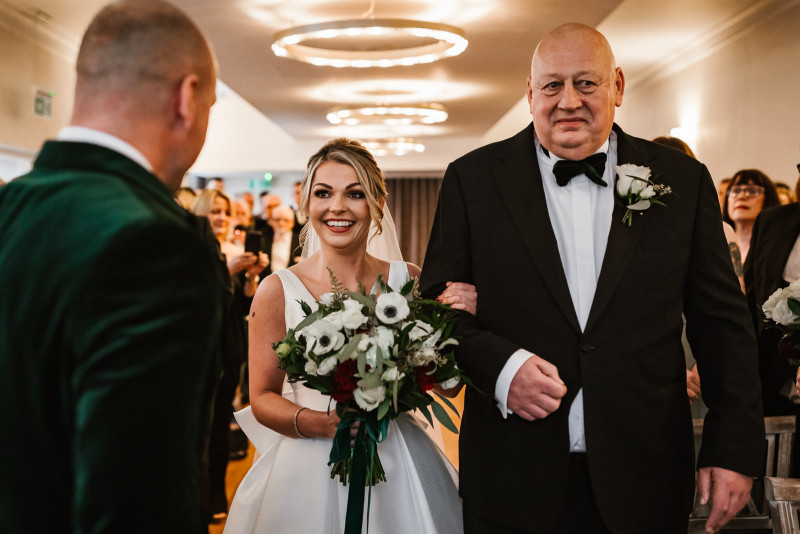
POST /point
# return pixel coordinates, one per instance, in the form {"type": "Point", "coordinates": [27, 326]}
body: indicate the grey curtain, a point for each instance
{"type": "Point", "coordinates": [412, 202]}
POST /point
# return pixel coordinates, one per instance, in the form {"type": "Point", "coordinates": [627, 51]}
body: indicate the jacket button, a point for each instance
{"type": "Point", "coordinates": [587, 348]}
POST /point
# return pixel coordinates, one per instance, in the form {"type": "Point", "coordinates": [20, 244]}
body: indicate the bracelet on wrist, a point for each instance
{"type": "Point", "coordinates": [296, 428]}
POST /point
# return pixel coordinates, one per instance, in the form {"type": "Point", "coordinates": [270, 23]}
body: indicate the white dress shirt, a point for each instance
{"type": "Point", "coordinates": [580, 214]}
{"type": "Point", "coordinates": [80, 134]}
{"type": "Point", "coordinates": [281, 252]}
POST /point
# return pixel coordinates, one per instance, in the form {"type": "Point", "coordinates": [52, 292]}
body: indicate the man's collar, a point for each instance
{"type": "Point", "coordinates": [81, 134]}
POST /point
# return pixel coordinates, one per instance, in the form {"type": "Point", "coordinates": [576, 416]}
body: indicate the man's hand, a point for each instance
{"type": "Point", "coordinates": [536, 390]}
{"type": "Point", "coordinates": [731, 490]}
{"type": "Point", "coordinates": [693, 384]}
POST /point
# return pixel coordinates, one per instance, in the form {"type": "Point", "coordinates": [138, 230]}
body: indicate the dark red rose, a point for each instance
{"type": "Point", "coordinates": [426, 381]}
{"type": "Point", "coordinates": [345, 380]}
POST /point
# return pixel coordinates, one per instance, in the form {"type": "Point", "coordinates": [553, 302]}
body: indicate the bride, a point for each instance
{"type": "Point", "coordinates": [289, 487]}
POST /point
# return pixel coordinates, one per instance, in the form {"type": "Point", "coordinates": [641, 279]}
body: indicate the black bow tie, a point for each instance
{"type": "Point", "coordinates": [593, 167]}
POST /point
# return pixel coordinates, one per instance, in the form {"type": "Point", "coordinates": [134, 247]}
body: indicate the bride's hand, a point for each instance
{"type": "Point", "coordinates": [460, 296]}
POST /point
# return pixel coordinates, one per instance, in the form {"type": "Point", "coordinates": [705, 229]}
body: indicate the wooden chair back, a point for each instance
{"type": "Point", "coordinates": [780, 433]}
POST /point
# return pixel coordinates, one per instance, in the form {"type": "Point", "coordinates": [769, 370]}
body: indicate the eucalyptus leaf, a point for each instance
{"type": "Point", "coordinates": [424, 410]}
{"type": "Point", "coordinates": [447, 402]}
{"type": "Point", "coordinates": [383, 408]}
{"type": "Point", "coordinates": [794, 305]}
{"type": "Point", "coordinates": [370, 381]}
{"type": "Point", "coordinates": [362, 363]}
{"type": "Point", "coordinates": [308, 320]}
{"type": "Point", "coordinates": [443, 418]}
{"type": "Point", "coordinates": [349, 348]}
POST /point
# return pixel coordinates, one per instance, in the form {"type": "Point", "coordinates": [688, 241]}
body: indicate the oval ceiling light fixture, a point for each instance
{"type": "Point", "coordinates": [398, 147]}
{"type": "Point", "coordinates": [448, 41]}
{"type": "Point", "coordinates": [388, 115]}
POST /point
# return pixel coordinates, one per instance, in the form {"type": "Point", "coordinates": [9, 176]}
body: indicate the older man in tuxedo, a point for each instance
{"type": "Point", "coordinates": [111, 306]}
{"type": "Point", "coordinates": [583, 423]}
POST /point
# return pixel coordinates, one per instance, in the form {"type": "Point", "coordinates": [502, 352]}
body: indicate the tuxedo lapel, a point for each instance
{"type": "Point", "coordinates": [622, 239]}
{"type": "Point", "coordinates": [520, 184]}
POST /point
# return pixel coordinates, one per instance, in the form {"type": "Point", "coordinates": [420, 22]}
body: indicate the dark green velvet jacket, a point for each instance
{"type": "Point", "coordinates": [109, 325]}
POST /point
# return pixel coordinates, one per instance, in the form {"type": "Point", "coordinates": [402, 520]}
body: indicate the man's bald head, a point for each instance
{"type": "Point", "coordinates": [573, 89]}
{"type": "Point", "coordinates": [132, 45]}
{"type": "Point", "coordinates": [147, 75]}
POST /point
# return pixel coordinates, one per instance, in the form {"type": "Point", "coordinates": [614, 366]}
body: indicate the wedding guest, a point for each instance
{"type": "Point", "coordinates": [785, 193]}
{"type": "Point", "coordinates": [185, 196]}
{"type": "Point", "coordinates": [243, 268]}
{"type": "Point", "coordinates": [299, 218]}
{"type": "Point", "coordinates": [284, 244]}
{"type": "Point", "coordinates": [722, 192]}
{"type": "Point", "coordinates": [749, 192]}
{"type": "Point", "coordinates": [676, 143]}
{"type": "Point", "coordinates": [247, 196]}
{"type": "Point", "coordinates": [773, 263]}
{"type": "Point", "coordinates": [216, 183]}
{"type": "Point", "coordinates": [583, 302]}
{"type": "Point", "coordinates": [120, 306]}
{"type": "Point", "coordinates": [289, 487]}
{"type": "Point", "coordinates": [241, 222]}
{"type": "Point", "coordinates": [262, 223]}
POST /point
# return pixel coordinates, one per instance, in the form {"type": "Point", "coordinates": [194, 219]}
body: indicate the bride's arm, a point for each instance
{"type": "Point", "coordinates": [270, 408]}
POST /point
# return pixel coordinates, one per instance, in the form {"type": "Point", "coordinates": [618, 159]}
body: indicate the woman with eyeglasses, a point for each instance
{"type": "Point", "coordinates": [749, 192]}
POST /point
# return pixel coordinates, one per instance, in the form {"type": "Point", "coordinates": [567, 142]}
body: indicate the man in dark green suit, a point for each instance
{"type": "Point", "coordinates": [110, 308]}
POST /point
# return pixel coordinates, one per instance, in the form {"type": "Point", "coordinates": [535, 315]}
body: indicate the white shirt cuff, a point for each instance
{"type": "Point", "coordinates": [508, 373]}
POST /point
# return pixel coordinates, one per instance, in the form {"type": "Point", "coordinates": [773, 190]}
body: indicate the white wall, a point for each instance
{"type": "Point", "coordinates": [743, 100]}
{"type": "Point", "coordinates": [32, 58]}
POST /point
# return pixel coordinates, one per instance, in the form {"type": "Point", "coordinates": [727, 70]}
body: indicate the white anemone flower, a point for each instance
{"type": "Point", "coordinates": [391, 307]}
{"type": "Point", "coordinates": [323, 337]}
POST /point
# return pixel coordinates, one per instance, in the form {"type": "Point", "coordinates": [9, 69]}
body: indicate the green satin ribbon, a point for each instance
{"type": "Point", "coordinates": [362, 457]}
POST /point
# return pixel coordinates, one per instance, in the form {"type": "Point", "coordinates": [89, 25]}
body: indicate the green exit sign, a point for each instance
{"type": "Point", "coordinates": [43, 103]}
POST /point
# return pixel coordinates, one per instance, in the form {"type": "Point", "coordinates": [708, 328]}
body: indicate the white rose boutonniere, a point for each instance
{"type": "Point", "coordinates": [637, 191]}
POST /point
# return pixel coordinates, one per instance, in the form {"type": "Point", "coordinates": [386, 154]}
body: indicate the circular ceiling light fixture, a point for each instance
{"type": "Point", "coordinates": [397, 147]}
{"type": "Point", "coordinates": [374, 42]}
{"type": "Point", "coordinates": [388, 115]}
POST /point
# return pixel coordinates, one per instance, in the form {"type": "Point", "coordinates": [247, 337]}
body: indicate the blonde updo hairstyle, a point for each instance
{"type": "Point", "coordinates": [352, 153]}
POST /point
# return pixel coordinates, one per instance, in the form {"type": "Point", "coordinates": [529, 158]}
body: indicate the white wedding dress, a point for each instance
{"type": "Point", "coordinates": [289, 489]}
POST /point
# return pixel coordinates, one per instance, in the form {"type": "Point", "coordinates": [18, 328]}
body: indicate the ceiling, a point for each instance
{"type": "Point", "coordinates": [478, 88]}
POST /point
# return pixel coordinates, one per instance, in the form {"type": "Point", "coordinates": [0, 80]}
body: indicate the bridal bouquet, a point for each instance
{"type": "Point", "coordinates": [782, 310]}
{"type": "Point", "coordinates": [377, 356]}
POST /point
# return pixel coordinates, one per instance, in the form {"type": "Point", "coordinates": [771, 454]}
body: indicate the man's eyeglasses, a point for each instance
{"type": "Point", "coordinates": [745, 191]}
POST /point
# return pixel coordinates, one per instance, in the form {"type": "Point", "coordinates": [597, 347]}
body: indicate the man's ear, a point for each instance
{"type": "Point", "coordinates": [619, 82]}
{"type": "Point", "coordinates": [186, 105]}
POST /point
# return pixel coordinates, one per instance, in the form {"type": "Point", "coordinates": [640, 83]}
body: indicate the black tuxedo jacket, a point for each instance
{"type": "Point", "coordinates": [774, 235]}
{"type": "Point", "coordinates": [296, 250]}
{"type": "Point", "coordinates": [492, 229]}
